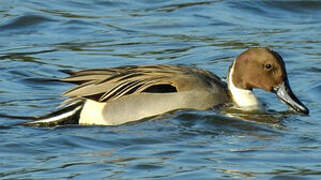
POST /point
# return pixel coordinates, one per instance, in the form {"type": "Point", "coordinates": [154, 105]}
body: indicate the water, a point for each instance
{"type": "Point", "coordinates": [40, 38]}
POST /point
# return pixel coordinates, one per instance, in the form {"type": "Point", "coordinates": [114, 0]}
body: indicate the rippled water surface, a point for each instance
{"type": "Point", "coordinates": [40, 38]}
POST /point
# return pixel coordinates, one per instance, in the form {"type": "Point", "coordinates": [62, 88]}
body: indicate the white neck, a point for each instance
{"type": "Point", "coordinates": [243, 98]}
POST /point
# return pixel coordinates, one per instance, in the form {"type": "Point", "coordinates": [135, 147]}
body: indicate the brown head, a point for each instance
{"type": "Point", "coordinates": [263, 68]}
{"type": "Point", "coordinates": [258, 68]}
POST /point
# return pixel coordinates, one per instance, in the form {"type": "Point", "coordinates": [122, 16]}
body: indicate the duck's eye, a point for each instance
{"type": "Point", "coordinates": [268, 66]}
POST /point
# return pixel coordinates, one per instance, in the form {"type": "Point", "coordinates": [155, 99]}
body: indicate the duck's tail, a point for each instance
{"type": "Point", "coordinates": [67, 115]}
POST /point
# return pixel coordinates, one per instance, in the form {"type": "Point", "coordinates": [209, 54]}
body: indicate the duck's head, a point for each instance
{"type": "Point", "coordinates": [262, 68]}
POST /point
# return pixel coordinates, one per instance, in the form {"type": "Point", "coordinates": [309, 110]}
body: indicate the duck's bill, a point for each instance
{"type": "Point", "coordinates": [285, 94]}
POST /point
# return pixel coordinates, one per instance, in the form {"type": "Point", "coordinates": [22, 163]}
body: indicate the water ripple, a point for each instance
{"type": "Point", "coordinates": [41, 38]}
{"type": "Point", "coordinates": [24, 22]}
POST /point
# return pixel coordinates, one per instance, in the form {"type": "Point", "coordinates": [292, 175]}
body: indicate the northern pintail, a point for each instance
{"type": "Point", "coordinates": [124, 94]}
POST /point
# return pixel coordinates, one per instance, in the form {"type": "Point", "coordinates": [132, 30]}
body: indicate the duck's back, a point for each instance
{"type": "Point", "coordinates": [129, 93]}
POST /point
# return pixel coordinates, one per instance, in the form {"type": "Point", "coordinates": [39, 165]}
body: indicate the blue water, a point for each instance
{"type": "Point", "coordinates": [40, 38]}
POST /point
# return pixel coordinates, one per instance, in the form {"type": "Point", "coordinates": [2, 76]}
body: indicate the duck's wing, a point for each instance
{"type": "Point", "coordinates": [106, 84]}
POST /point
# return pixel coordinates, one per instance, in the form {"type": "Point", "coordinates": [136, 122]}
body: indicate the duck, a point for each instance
{"type": "Point", "coordinates": [115, 96]}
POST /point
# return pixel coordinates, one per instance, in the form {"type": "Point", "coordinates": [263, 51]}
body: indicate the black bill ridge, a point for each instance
{"type": "Point", "coordinates": [285, 94]}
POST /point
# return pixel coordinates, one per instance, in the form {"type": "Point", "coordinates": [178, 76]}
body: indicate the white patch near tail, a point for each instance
{"type": "Point", "coordinates": [92, 113]}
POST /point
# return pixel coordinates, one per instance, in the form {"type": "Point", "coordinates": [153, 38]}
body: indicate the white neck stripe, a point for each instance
{"type": "Point", "coordinates": [243, 98]}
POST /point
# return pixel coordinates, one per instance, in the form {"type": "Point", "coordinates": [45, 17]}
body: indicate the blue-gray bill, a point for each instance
{"type": "Point", "coordinates": [285, 94]}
